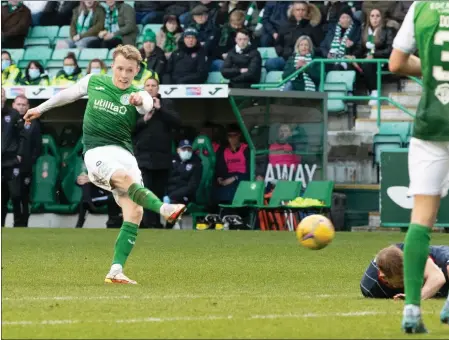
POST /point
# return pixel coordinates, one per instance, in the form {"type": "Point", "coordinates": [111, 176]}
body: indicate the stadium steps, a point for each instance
{"type": "Point", "coordinates": [392, 112]}
{"type": "Point", "coordinates": [370, 124]}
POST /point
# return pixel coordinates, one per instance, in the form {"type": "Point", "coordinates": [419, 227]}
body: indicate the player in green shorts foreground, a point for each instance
{"type": "Point", "coordinates": [426, 29]}
{"type": "Point", "coordinates": [112, 110]}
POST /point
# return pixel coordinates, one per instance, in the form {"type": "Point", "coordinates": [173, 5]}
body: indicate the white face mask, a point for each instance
{"type": "Point", "coordinates": [185, 155]}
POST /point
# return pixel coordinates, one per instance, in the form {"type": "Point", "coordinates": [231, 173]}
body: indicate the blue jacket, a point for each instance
{"type": "Point", "coordinates": [274, 15]}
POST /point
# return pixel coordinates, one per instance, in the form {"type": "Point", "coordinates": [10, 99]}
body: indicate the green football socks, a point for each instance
{"type": "Point", "coordinates": [416, 252]}
{"type": "Point", "coordinates": [125, 242]}
{"type": "Point", "coordinates": [144, 197]}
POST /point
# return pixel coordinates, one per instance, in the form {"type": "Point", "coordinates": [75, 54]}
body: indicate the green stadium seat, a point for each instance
{"type": "Point", "coordinates": [284, 191]}
{"type": "Point", "coordinates": [347, 77]}
{"type": "Point", "coordinates": [41, 53]}
{"type": "Point", "coordinates": [45, 175]}
{"type": "Point", "coordinates": [274, 78]}
{"type": "Point", "coordinates": [320, 190]}
{"type": "Point", "coordinates": [37, 42]}
{"type": "Point", "coordinates": [83, 64]}
{"type": "Point", "coordinates": [249, 194]}
{"type": "Point", "coordinates": [379, 148]}
{"type": "Point", "coordinates": [154, 27]}
{"type": "Point", "coordinates": [58, 56]}
{"type": "Point", "coordinates": [111, 54]}
{"type": "Point", "coordinates": [382, 141]}
{"type": "Point", "coordinates": [88, 54]}
{"type": "Point", "coordinates": [403, 129]}
{"type": "Point", "coordinates": [53, 71]}
{"type": "Point", "coordinates": [64, 32]}
{"type": "Point", "coordinates": [267, 53]}
{"type": "Point", "coordinates": [330, 87]}
{"type": "Point", "coordinates": [49, 32]}
{"type": "Point", "coordinates": [16, 54]}
{"type": "Point", "coordinates": [139, 27]}
{"type": "Point", "coordinates": [216, 78]}
{"type": "Point", "coordinates": [336, 105]}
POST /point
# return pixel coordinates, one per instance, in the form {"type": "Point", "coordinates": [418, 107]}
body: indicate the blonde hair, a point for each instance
{"type": "Point", "coordinates": [237, 16]}
{"type": "Point", "coordinates": [129, 52]}
{"type": "Point", "coordinates": [306, 38]}
{"type": "Point", "coordinates": [390, 261]}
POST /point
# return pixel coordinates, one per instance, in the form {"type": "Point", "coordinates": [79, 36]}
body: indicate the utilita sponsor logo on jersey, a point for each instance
{"type": "Point", "coordinates": [109, 107]}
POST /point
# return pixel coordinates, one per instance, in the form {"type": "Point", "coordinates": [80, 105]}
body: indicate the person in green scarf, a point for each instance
{"type": "Point", "coordinates": [87, 22]}
{"type": "Point", "coordinates": [16, 22]}
{"type": "Point", "coordinates": [168, 36]}
{"type": "Point", "coordinates": [309, 79]}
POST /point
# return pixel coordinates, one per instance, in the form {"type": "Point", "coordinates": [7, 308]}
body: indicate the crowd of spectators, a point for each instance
{"type": "Point", "coordinates": [198, 37]}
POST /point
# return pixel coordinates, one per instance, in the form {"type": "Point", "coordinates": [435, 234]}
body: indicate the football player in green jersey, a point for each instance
{"type": "Point", "coordinates": [112, 110]}
{"type": "Point", "coordinates": [426, 29]}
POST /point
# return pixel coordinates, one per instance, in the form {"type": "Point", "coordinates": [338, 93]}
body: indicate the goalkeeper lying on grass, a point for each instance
{"type": "Point", "coordinates": [384, 277]}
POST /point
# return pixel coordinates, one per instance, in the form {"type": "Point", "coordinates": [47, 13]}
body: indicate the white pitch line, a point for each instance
{"type": "Point", "coordinates": [198, 318]}
{"type": "Point", "coordinates": [180, 296]}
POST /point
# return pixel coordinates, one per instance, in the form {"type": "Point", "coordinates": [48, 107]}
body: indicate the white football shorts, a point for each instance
{"type": "Point", "coordinates": [428, 167]}
{"type": "Point", "coordinates": [101, 163]}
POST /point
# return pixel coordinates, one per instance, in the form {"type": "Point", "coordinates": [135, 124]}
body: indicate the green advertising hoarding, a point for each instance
{"type": "Point", "coordinates": [395, 205]}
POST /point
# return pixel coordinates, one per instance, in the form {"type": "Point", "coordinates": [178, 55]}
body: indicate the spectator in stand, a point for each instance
{"type": "Point", "coordinates": [149, 12]}
{"type": "Point", "coordinates": [185, 177]}
{"type": "Point", "coordinates": [58, 13]}
{"type": "Point", "coordinates": [119, 25]}
{"type": "Point", "coordinates": [376, 42]}
{"type": "Point", "coordinates": [153, 146]}
{"type": "Point", "coordinates": [14, 142]}
{"type": "Point", "coordinates": [243, 63]}
{"type": "Point", "coordinates": [16, 21]}
{"type": "Point", "coordinates": [303, 19]}
{"type": "Point", "coordinates": [232, 166]}
{"type": "Point", "coordinates": [10, 72]}
{"type": "Point", "coordinates": [188, 64]}
{"type": "Point", "coordinates": [308, 80]}
{"type": "Point", "coordinates": [32, 151]}
{"type": "Point", "coordinates": [70, 72]}
{"type": "Point", "coordinates": [37, 9]}
{"type": "Point", "coordinates": [205, 26]}
{"type": "Point", "coordinates": [153, 55]}
{"type": "Point", "coordinates": [341, 39]}
{"type": "Point", "coordinates": [87, 23]}
{"type": "Point", "coordinates": [386, 8]}
{"type": "Point", "coordinates": [226, 40]}
{"type": "Point", "coordinates": [168, 36]}
{"type": "Point", "coordinates": [96, 66]}
{"type": "Point", "coordinates": [216, 13]}
{"type": "Point", "coordinates": [35, 75]}
{"type": "Point", "coordinates": [274, 15]}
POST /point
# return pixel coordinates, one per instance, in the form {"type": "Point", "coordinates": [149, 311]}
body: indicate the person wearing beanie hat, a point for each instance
{"type": "Point", "coordinates": [152, 55]}
{"type": "Point", "coordinates": [189, 63]}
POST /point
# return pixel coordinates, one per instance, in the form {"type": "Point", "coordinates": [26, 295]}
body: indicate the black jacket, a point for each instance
{"type": "Point", "coordinates": [14, 140]}
{"type": "Point", "coordinates": [249, 58]}
{"type": "Point", "coordinates": [208, 34]}
{"type": "Point", "coordinates": [383, 48]}
{"type": "Point", "coordinates": [153, 138]}
{"type": "Point", "coordinates": [291, 30]}
{"type": "Point", "coordinates": [33, 145]}
{"type": "Point", "coordinates": [185, 178]}
{"type": "Point", "coordinates": [188, 65]}
{"type": "Point", "coordinates": [156, 61]}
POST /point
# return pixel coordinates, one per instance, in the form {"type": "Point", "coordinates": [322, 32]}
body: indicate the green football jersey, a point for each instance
{"type": "Point", "coordinates": [426, 29]}
{"type": "Point", "coordinates": [109, 119]}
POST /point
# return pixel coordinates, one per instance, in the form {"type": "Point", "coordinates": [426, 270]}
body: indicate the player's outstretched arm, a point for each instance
{"type": "Point", "coordinates": [434, 280]}
{"type": "Point", "coordinates": [142, 101]}
{"type": "Point", "coordinates": [66, 96]}
{"type": "Point", "coordinates": [402, 60]}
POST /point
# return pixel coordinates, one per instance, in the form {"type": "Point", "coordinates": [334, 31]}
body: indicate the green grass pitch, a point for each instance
{"type": "Point", "coordinates": [209, 284]}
